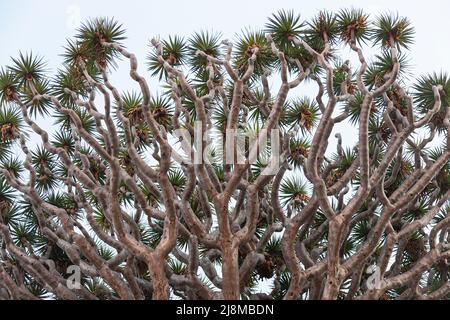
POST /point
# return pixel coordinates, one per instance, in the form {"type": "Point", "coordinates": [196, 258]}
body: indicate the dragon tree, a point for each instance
{"type": "Point", "coordinates": [299, 160]}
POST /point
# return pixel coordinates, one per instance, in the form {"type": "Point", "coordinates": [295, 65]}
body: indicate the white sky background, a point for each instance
{"type": "Point", "coordinates": [43, 26]}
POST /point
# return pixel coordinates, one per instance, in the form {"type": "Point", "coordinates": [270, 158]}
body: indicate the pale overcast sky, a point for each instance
{"type": "Point", "coordinates": [44, 25]}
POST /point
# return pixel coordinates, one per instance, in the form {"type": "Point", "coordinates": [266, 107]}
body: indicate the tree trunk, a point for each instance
{"type": "Point", "coordinates": [159, 281]}
{"type": "Point", "coordinates": [332, 284]}
{"type": "Point", "coordinates": [230, 273]}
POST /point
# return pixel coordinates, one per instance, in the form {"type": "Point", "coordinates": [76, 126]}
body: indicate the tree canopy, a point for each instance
{"type": "Point", "coordinates": [168, 191]}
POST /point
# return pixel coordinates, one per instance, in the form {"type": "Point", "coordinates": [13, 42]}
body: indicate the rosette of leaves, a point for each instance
{"type": "Point", "coordinates": [66, 122]}
{"type": "Point", "coordinates": [27, 68]}
{"type": "Point", "coordinates": [321, 29]}
{"type": "Point", "coordinates": [303, 112]}
{"type": "Point", "coordinates": [417, 211]}
{"type": "Point", "coordinates": [284, 26]}
{"type": "Point", "coordinates": [104, 252]}
{"type": "Point", "coordinates": [380, 69]}
{"type": "Point", "coordinates": [361, 231]}
{"type": "Point", "coordinates": [44, 164]}
{"type": "Point", "coordinates": [207, 42]}
{"type": "Point", "coordinates": [341, 80]}
{"type": "Point", "coordinates": [414, 250]}
{"type": "Point", "coordinates": [443, 176]}
{"type": "Point", "coordinates": [66, 202]}
{"type": "Point", "coordinates": [424, 97]}
{"type": "Point", "coordinates": [101, 220]}
{"type": "Point", "coordinates": [91, 36]}
{"type": "Point", "coordinates": [177, 267]}
{"type": "Point", "coordinates": [255, 114]}
{"type": "Point", "coordinates": [379, 132]}
{"type": "Point", "coordinates": [273, 259]}
{"type": "Point", "coordinates": [354, 104]}
{"type": "Point", "coordinates": [178, 179]}
{"type": "Point", "coordinates": [23, 236]}
{"type": "Point", "coordinates": [70, 78]}
{"type": "Point", "coordinates": [13, 165]}
{"type": "Point", "coordinates": [283, 282]}
{"type": "Point", "coordinates": [162, 110]}
{"type": "Point", "coordinates": [7, 196]}
{"type": "Point", "coordinates": [392, 30]}
{"type": "Point", "coordinates": [98, 288]}
{"type": "Point", "coordinates": [343, 164]}
{"type": "Point", "coordinates": [353, 24]}
{"type": "Point", "coordinates": [8, 86]}
{"type": "Point", "coordinates": [126, 162]}
{"type": "Point", "coordinates": [400, 172]}
{"type": "Point", "coordinates": [11, 125]}
{"type": "Point", "coordinates": [200, 82]}
{"type": "Point", "coordinates": [293, 191]}
{"type": "Point", "coordinates": [75, 54]}
{"type": "Point", "coordinates": [150, 197]}
{"type": "Point", "coordinates": [174, 52]}
{"type": "Point", "coordinates": [96, 166]}
{"type": "Point", "coordinates": [219, 118]}
{"type": "Point", "coordinates": [299, 151]}
{"type": "Point", "coordinates": [38, 106]}
{"type": "Point", "coordinates": [63, 139]}
{"type": "Point", "coordinates": [247, 44]}
{"type": "Point", "coordinates": [132, 107]}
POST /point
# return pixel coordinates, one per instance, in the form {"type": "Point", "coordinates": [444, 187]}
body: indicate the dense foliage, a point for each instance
{"type": "Point", "coordinates": [105, 190]}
